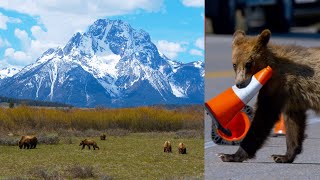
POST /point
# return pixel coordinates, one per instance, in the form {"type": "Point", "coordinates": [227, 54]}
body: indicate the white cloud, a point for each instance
{"type": "Point", "coordinates": [196, 52]}
{"type": "Point", "coordinates": [200, 43]}
{"type": "Point", "coordinates": [170, 49]}
{"type": "Point", "coordinates": [16, 57]}
{"type": "Point", "coordinates": [4, 43]}
{"type": "Point", "coordinates": [80, 7]}
{"type": "Point", "coordinates": [37, 48]}
{"type": "Point", "coordinates": [63, 18]}
{"type": "Point", "coordinates": [37, 32]}
{"type": "Point", "coordinates": [22, 35]}
{"type": "Point", "coordinates": [32, 48]}
{"type": "Point", "coordinates": [193, 3]}
{"type": "Point", "coordinates": [4, 20]}
{"type": "Point", "coordinates": [41, 43]}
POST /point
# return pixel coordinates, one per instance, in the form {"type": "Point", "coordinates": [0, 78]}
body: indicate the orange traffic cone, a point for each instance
{"type": "Point", "coordinates": [279, 127]}
{"type": "Point", "coordinates": [225, 108]}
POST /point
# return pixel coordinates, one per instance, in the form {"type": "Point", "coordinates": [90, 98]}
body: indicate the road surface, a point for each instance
{"type": "Point", "coordinates": [219, 76]}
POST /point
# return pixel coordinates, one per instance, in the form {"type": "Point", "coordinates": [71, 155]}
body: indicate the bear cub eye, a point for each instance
{"type": "Point", "coordinates": [234, 66]}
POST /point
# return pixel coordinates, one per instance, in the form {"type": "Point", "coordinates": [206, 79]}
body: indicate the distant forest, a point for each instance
{"type": "Point", "coordinates": [29, 102]}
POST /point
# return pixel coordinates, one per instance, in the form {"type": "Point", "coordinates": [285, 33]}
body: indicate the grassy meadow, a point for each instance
{"type": "Point", "coordinates": [133, 149]}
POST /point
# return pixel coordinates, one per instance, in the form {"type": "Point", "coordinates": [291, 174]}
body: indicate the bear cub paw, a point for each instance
{"type": "Point", "coordinates": [231, 157]}
{"type": "Point", "coordinates": [239, 156]}
{"type": "Point", "coordinates": [282, 158]}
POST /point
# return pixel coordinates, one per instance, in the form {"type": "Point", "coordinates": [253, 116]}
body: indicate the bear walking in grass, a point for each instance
{"type": "Point", "coordinates": [29, 142]}
{"type": "Point", "coordinates": [182, 148]}
{"type": "Point", "coordinates": [293, 89]}
{"type": "Point", "coordinates": [103, 137]}
{"type": "Point", "coordinates": [167, 147]}
{"type": "Point", "coordinates": [89, 143]}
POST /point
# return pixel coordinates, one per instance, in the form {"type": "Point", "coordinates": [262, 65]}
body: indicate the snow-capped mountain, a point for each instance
{"type": "Point", "coordinates": [111, 64]}
{"type": "Point", "coordinates": [8, 72]}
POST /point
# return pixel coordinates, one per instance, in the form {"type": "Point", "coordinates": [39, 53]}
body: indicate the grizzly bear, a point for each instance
{"type": "Point", "coordinates": [29, 142]}
{"type": "Point", "coordinates": [103, 137]}
{"type": "Point", "coordinates": [89, 143]}
{"type": "Point", "coordinates": [167, 147]}
{"type": "Point", "coordinates": [182, 148]}
{"type": "Point", "coordinates": [292, 89]}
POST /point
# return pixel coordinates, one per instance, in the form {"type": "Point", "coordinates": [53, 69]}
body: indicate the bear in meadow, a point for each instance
{"type": "Point", "coordinates": [29, 142]}
{"type": "Point", "coordinates": [292, 89]}
{"type": "Point", "coordinates": [89, 143]}
{"type": "Point", "coordinates": [167, 147]}
{"type": "Point", "coordinates": [103, 137]}
{"type": "Point", "coordinates": [182, 148]}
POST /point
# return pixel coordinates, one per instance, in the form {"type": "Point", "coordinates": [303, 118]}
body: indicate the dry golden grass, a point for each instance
{"type": "Point", "coordinates": [141, 119]}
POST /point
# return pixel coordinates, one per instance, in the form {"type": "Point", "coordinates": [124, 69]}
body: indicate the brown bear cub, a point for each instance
{"type": "Point", "coordinates": [103, 137]}
{"type": "Point", "coordinates": [182, 148]}
{"type": "Point", "coordinates": [89, 143]}
{"type": "Point", "coordinates": [29, 142]}
{"type": "Point", "coordinates": [167, 147]}
{"type": "Point", "coordinates": [293, 89]}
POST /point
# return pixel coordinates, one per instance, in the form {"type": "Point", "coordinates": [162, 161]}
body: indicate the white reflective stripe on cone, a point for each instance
{"type": "Point", "coordinates": [247, 93]}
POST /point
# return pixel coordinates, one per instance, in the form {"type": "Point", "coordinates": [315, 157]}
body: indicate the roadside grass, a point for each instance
{"type": "Point", "coordinates": [133, 156]}
{"type": "Point", "coordinates": [140, 119]}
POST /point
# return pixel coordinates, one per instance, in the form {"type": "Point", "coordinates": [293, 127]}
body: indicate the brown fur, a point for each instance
{"type": "Point", "coordinates": [89, 143]}
{"type": "Point", "coordinates": [103, 137]}
{"type": "Point", "coordinates": [167, 147]}
{"type": "Point", "coordinates": [293, 89]}
{"type": "Point", "coordinates": [29, 142]}
{"type": "Point", "coordinates": [182, 148]}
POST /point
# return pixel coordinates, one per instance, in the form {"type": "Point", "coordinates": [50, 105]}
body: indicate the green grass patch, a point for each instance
{"type": "Point", "coordinates": [135, 156]}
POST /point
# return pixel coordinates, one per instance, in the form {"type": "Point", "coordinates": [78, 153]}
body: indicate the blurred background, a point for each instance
{"type": "Point", "coordinates": [280, 16]}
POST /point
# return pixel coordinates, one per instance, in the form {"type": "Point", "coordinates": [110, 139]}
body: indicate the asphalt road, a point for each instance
{"type": "Point", "coordinates": [219, 76]}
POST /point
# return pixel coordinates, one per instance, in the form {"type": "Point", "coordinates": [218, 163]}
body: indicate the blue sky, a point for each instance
{"type": "Point", "coordinates": [29, 27]}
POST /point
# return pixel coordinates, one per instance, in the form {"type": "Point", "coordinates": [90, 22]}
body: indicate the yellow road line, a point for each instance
{"type": "Point", "coordinates": [219, 74]}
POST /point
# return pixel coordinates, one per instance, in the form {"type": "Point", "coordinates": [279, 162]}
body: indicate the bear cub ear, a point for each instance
{"type": "Point", "coordinates": [238, 36]}
{"type": "Point", "coordinates": [264, 37]}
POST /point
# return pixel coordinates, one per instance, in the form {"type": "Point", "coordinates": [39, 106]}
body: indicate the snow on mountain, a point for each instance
{"type": "Point", "coordinates": [8, 72]}
{"type": "Point", "coordinates": [111, 64]}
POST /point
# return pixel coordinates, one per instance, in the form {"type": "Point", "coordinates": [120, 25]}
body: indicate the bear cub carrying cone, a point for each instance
{"type": "Point", "coordinates": [292, 89]}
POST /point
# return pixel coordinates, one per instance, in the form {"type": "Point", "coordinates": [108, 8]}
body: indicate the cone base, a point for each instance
{"type": "Point", "coordinates": [238, 126]}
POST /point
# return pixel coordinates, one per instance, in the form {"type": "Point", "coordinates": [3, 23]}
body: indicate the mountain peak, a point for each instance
{"type": "Point", "coordinates": [100, 25]}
